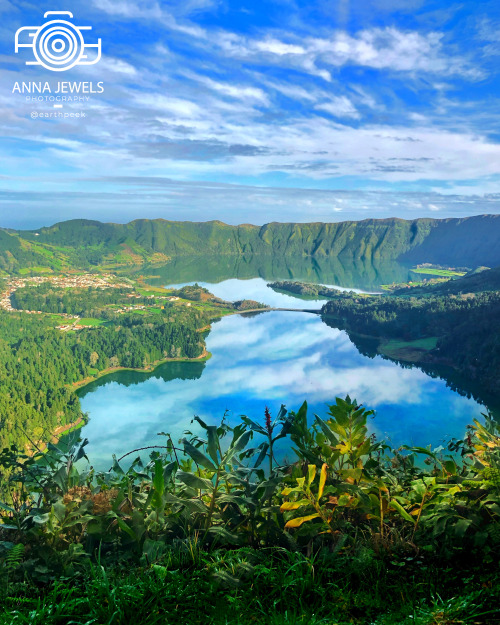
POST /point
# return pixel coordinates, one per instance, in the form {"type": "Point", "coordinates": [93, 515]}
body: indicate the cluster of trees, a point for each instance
{"type": "Point", "coordinates": [304, 288]}
{"type": "Point", "coordinates": [38, 362]}
{"type": "Point", "coordinates": [197, 293]}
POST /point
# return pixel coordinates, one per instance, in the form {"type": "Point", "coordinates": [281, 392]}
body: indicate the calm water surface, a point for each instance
{"type": "Point", "coordinates": [269, 359]}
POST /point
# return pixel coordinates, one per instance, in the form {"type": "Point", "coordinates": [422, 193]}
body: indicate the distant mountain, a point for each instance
{"type": "Point", "coordinates": [469, 242]}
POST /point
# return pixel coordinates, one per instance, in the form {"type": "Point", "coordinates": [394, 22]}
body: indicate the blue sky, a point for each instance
{"type": "Point", "coordinates": [250, 111]}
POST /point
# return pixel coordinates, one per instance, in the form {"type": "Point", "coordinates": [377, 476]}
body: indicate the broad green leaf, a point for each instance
{"type": "Point", "coordinates": [158, 479]}
{"type": "Point", "coordinates": [192, 505]}
{"type": "Point", "coordinates": [212, 439]}
{"type": "Point", "coordinates": [353, 475]}
{"type": "Point", "coordinates": [333, 440]}
{"type": "Point", "coordinates": [397, 506]}
{"type": "Point", "coordinates": [263, 452]}
{"type": "Point", "coordinates": [193, 481]}
{"type": "Point", "coordinates": [364, 449]}
{"type": "Point", "coordinates": [254, 426]}
{"type": "Point", "coordinates": [239, 501]}
{"type": "Point", "coordinates": [461, 526]}
{"type": "Point", "coordinates": [168, 470]}
{"type": "Point", "coordinates": [198, 456]}
{"type": "Point", "coordinates": [229, 537]}
{"type": "Point", "coordinates": [59, 510]}
{"type": "Point", "coordinates": [450, 466]}
{"type": "Point", "coordinates": [116, 467]}
{"type": "Point", "coordinates": [344, 500]}
{"type": "Point", "coordinates": [242, 441]}
{"type": "Point", "coordinates": [123, 526]}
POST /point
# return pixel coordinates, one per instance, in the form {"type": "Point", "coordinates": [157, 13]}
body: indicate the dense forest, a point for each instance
{"type": "Point", "coordinates": [466, 324]}
{"type": "Point", "coordinates": [38, 362]}
{"type": "Point", "coordinates": [83, 243]}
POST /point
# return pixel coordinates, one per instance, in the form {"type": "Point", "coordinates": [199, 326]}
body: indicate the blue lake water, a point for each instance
{"type": "Point", "coordinates": [269, 359]}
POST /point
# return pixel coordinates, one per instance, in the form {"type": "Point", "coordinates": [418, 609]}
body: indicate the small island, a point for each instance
{"type": "Point", "coordinates": [304, 289]}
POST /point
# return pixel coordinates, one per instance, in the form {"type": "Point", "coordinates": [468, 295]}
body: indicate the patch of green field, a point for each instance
{"type": "Point", "coordinates": [56, 319]}
{"type": "Point", "coordinates": [427, 343]}
{"type": "Point", "coordinates": [411, 351]}
{"type": "Point", "coordinates": [27, 270]}
{"type": "Point", "coordinates": [90, 321]}
{"type": "Point", "coordinates": [447, 273]}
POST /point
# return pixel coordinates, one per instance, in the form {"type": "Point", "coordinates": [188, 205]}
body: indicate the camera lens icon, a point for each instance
{"type": "Point", "coordinates": [58, 45]}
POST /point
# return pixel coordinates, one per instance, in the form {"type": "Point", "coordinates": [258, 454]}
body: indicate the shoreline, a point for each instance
{"type": "Point", "coordinates": [55, 436]}
{"type": "Point", "coordinates": [76, 386]}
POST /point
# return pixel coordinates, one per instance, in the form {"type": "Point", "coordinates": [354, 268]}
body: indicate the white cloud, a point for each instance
{"type": "Point", "coordinates": [129, 9]}
{"type": "Point", "coordinates": [274, 46]}
{"type": "Point", "coordinates": [379, 48]}
{"type": "Point", "coordinates": [239, 92]}
{"type": "Point", "coordinates": [118, 66]}
{"type": "Point", "coordinates": [339, 107]}
{"type": "Point", "coordinates": [184, 109]}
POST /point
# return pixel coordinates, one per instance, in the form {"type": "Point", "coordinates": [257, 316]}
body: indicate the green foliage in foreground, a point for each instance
{"type": "Point", "coordinates": [349, 532]}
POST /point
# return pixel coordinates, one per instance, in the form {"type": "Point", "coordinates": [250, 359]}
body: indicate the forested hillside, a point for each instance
{"type": "Point", "coordinates": [463, 316]}
{"type": "Point", "coordinates": [470, 242]}
{"type": "Point", "coordinates": [38, 363]}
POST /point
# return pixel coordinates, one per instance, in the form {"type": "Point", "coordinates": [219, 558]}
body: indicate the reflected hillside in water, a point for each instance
{"type": "Point", "coordinates": [368, 346]}
{"type": "Point", "coordinates": [365, 275]}
{"type": "Point", "coordinates": [167, 372]}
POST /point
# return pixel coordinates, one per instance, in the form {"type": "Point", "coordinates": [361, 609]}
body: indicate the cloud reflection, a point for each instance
{"type": "Point", "coordinates": [275, 358]}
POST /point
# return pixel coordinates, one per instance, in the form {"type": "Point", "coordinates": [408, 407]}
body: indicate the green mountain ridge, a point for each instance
{"type": "Point", "coordinates": [471, 241]}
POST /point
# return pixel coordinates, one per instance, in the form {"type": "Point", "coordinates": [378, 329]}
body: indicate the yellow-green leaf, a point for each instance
{"type": "Point", "coordinates": [322, 480]}
{"type": "Point", "coordinates": [311, 474]}
{"type": "Point", "coordinates": [293, 505]}
{"type": "Point", "coordinates": [301, 519]}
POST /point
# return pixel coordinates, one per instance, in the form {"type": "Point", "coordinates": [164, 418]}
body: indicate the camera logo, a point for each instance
{"type": "Point", "coordinates": [58, 45]}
